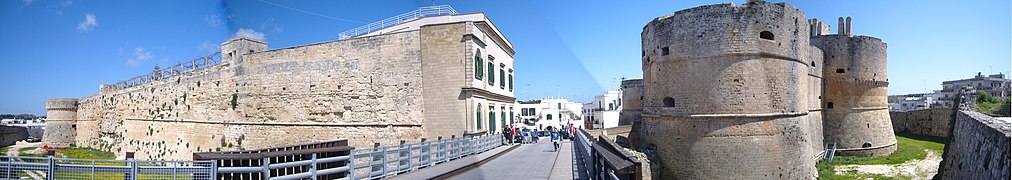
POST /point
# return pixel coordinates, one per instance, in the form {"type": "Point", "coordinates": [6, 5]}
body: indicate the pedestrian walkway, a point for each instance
{"type": "Point", "coordinates": [529, 161]}
{"type": "Point", "coordinates": [442, 169]}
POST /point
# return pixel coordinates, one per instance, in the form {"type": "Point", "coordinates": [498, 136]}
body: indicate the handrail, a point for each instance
{"type": "Point", "coordinates": [385, 161]}
{"type": "Point", "coordinates": [391, 21]}
{"type": "Point", "coordinates": [193, 65]}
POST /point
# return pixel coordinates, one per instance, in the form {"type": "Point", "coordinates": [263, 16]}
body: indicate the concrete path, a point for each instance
{"type": "Point", "coordinates": [529, 161]}
{"type": "Point", "coordinates": [446, 167]}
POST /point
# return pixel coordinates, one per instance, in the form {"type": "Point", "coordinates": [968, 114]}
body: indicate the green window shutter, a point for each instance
{"type": "Point", "coordinates": [491, 73]}
{"type": "Point", "coordinates": [502, 79]}
{"type": "Point", "coordinates": [478, 62]}
{"type": "Point", "coordinates": [511, 118]}
{"type": "Point", "coordinates": [511, 82]}
{"type": "Point", "coordinates": [479, 116]}
{"type": "Point", "coordinates": [491, 120]}
{"type": "Point", "coordinates": [503, 120]}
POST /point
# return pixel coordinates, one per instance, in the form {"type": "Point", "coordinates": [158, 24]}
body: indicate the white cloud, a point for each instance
{"type": "Point", "coordinates": [88, 24]}
{"type": "Point", "coordinates": [140, 55]}
{"type": "Point", "coordinates": [206, 47]}
{"type": "Point", "coordinates": [270, 24]}
{"type": "Point", "coordinates": [28, 2]}
{"type": "Point", "coordinates": [248, 33]}
{"type": "Point", "coordinates": [66, 3]}
{"type": "Point", "coordinates": [213, 20]}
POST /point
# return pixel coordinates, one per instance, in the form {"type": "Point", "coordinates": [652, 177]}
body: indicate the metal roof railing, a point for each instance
{"type": "Point", "coordinates": [409, 16]}
{"type": "Point", "coordinates": [193, 65]}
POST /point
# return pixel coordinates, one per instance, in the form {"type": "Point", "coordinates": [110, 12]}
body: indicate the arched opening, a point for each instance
{"type": "Point", "coordinates": [866, 145]}
{"type": "Point", "coordinates": [813, 63]}
{"type": "Point", "coordinates": [669, 102]}
{"type": "Point", "coordinates": [840, 71]}
{"type": "Point", "coordinates": [766, 35]}
{"type": "Point", "coordinates": [829, 105]}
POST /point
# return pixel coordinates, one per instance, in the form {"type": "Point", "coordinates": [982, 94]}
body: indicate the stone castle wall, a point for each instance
{"type": "Point", "coordinates": [632, 101]}
{"type": "Point", "coordinates": [854, 86]}
{"type": "Point", "coordinates": [928, 122]}
{"type": "Point", "coordinates": [978, 148]}
{"type": "Point", "coordinates": [727, 92]}
{"type": "Point", "coordinates": [364, 89]}
{"type": "Point", "coordinates": [61, 122]}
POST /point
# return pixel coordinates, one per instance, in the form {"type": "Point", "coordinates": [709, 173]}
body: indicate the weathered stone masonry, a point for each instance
{"type": "Point", "coordinates": [855, 95]}
{"type": "Point", "coordinates": [739, 91]}
{"type": "Point", "coordinates": [727, 92]}
{"type": "Point", "coordinates": [372, 89]}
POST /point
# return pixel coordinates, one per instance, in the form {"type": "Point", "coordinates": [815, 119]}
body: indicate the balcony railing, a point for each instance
{"type": "Point", "coordinates": [392, 21]}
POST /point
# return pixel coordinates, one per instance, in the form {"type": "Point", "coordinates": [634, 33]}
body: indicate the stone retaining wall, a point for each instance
{"type": "Point", "coordinates": [928, 122]}
{"type": "Point", "coordinates": [977, 149]}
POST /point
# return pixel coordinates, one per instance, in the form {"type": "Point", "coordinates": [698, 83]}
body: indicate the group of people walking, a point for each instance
{"type": "Point", "coordinates": [517, 135]}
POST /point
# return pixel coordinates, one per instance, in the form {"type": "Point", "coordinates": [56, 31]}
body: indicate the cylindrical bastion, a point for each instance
{"type": "Point", "coordinates": [61, 122]}
{"type": "Point", "coordinates": [856, 98]}
{"type": "Point", "coordinates": [726, 92]}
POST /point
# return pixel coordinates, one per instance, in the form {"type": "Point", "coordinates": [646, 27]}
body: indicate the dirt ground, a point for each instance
{"type": "Point", "coordinates": [916, 169]}
{"type": "Point", "coordinates": [13, 150]}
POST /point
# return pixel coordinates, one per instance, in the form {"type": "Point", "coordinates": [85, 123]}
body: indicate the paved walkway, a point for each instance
{"type": "Point", "coordinates": [443, 168]}
{"type": "Point", "coordinates": [529, 161]}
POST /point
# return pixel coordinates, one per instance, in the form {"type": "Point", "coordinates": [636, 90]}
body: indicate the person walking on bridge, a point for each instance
{"type": "Point", "coordinates": [556, 138]}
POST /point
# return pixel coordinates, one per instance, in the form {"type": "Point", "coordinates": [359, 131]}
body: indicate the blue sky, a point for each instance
{"type": "Point", "coordinates": [573, 49]}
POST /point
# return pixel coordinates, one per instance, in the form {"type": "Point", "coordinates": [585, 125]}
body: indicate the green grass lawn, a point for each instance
{"type": "Point", "coordinates": [910, 147]}
{"type": "Point", "coordinates": [72, 152]}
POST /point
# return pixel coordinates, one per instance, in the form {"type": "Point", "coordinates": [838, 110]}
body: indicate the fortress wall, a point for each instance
{"type": "Point", "coordinates": [929, 122]}
{"type": "Point", "coordinates": [632, 102]}
{"type": "Point", "coordinates": [61, 122]}
{"type": "Point", "coordinates": [738, 102]}
{"type": "Point", "coordinates": [317, 92]}
{"type": "Point", "coordinates": [977, 149]}
{"type": "Point", "coordinates": [855, 83]}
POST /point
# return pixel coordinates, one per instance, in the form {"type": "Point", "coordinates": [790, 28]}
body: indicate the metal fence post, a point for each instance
{"type": "Point", "coordinates": [174, 169]}
{"type": "Point", "coordinates": [214, 170]}
{"type": "Point", "coordinates": [10, 164]}
{"type": "Point", "coordinates": [52, 164]}
{"type": "Point", "coordinates": [133, 169]}
{"type": "Point", "coordinates": [312, 166]}
{"type": "Point", "coordinates": [351, 166]}
{"type": "Point", "coordinates": [266, 170]}
{"type": "Point", "coordinates": [92, 169]}
{"type": "Point", "coordinates": [384, 167]}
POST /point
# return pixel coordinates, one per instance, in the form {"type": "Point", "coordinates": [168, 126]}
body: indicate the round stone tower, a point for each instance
{"type": "Point", "coordinates": [61, 122]}
{"type": "Point", "coordinates": [854, 86]}
{"type": "Point", "coordinates": [632, 101]}
{"type": "Point", "coordinates": [727, 92]}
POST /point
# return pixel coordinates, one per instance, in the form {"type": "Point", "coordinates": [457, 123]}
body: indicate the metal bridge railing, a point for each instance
{"type": "Point", "coordinates": [391, 21]}
{"type": "Point", "coordinates": [14, 167]}
{"type": "Point", "coordinates": [373, 163]}
{"type": "Point", "coordinates": [382, 162]}
{"type": "Point", "coordinates": [193, 65]}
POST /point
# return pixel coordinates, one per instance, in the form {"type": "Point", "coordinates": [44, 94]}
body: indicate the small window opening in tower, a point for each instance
{"type": "Point", "coordinates": [665, 51]}
{"type": "Point", "coordinates": [840, 71]}
{"type": "Point", "coordinates": [829, 105]}
{"type": "Point", "coordinates": [866, 145]}
{"type": "Point", "coordinates": [669, 102]}
{"type": "Point", "coordinates": [813, 63]}
{"type": "Point", "coordinates": [766, 35]}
